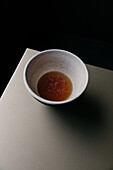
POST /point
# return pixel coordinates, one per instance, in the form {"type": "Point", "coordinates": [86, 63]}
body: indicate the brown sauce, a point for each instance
{"type": "Point", "coordinates": [54, 86]}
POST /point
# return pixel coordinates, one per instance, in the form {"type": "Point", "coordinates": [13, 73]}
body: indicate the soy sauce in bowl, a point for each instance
{"type": "Point", "coordinates": [54, 86]}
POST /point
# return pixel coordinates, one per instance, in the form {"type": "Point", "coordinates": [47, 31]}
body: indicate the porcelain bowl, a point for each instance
{"type": "Point", "coordinates": [56, 60]}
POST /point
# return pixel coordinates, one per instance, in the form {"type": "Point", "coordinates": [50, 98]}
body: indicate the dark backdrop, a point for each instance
{"type": "Point", "coordinates": [26, 20]}
{"type": "Point", "coordinates": [82, 27]}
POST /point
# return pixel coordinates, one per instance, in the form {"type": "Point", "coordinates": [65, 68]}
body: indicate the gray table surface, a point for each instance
{"type": "Point", "coordinates": [77, 136]}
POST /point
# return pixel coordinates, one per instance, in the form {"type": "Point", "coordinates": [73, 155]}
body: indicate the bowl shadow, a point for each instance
{"type": "Point", "coordinates": [84, 114]}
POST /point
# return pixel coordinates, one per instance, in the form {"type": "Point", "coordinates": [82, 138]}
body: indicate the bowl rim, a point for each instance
{"type": "Point", "coordinates": [49, 102]}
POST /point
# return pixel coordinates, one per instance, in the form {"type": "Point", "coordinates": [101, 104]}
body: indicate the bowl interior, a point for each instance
{"type": "Point", "coordinates": [61, 61]}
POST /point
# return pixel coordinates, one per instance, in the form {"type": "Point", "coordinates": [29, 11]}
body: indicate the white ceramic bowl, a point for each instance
{"type": "Point", "coordinates": [56, 60]}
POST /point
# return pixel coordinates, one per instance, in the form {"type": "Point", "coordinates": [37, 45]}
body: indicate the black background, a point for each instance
{"type": "Point", "coordinates": [82, 27]}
